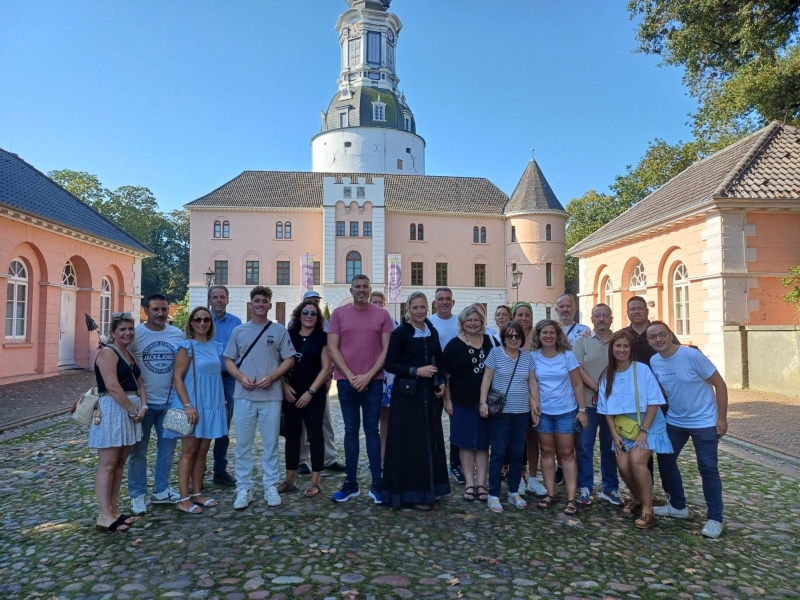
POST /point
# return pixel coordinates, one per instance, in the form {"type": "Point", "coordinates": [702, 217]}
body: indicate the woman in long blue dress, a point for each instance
{"type": "Point", "coordinates": [197, 389]}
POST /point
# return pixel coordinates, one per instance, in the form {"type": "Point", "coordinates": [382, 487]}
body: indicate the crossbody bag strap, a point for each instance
{"type": "Point", "coordinates": [130, 365]}
{"type": "Point", "coordinates": [571, 328]}
{"type": "Point", "coordinates": [514, 372]}
{"type": "Point", "coordinates": [194, 374]}
{"type": "Point", "coordinates": [255, 341]}
{"type": "Point", "coordinates": [636, 389]}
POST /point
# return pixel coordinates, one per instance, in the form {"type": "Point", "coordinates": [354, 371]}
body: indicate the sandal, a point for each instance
{"type": "Point", "coordinates": [546, 502]}
{"type": "Point", "coordinates": [634, 508]}
{"type": "Point", "coordinates": [483, 496]}
{"type": "Point", "coordinates": [284, 487]}
{"type": "Point", "coordinates": [312, 486]}
{"type": "Point", "coordinates": [517, 501]}
{"type": "Point", "coordinates": [470, 496]}
{"type": "Point", "coordinates": [118, 525]}
{"type": "Point", "coordinates": [210, 503]}
{"type": "Point", "coordinates": [645, 521]}
{"type": "Point", "coordinates": [494, 504]}
{"type": "Point", "coordinates": [194, 510]}
{"type": "Point", "coordinates": [571, 509]}
{"type": "Point", "coordinates": [127, 519]}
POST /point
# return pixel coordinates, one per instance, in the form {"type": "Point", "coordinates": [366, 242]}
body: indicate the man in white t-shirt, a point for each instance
{"type": "Point", "coordinates": [446, 324]}
{"type": "Point", "coordinates": [566, 309]}
{"type": "Point", "coordinates": [153, 349]}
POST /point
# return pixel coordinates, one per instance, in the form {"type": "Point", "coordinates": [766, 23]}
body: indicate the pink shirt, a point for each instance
{"type": "Point", "coordinates": [360, 333]}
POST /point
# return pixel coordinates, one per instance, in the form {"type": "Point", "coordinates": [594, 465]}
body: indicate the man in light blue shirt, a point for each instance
{"type": "Point", "coordinates": [224, 324]}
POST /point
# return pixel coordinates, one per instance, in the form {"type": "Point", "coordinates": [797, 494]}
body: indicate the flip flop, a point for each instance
{"type": "Point", "coordinates": [115, 526]}
{"type": "Point", "coordinates": [312, 486]}
{"type": "Point", "coordinates": [284, 487]}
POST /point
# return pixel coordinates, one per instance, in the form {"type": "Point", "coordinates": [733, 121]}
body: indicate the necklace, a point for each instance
{"type": "Point", "coordinates": [477, 361]}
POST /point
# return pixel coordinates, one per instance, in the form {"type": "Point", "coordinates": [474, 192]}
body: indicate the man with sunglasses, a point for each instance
{"type": "Point", "coordinates": [153, 348]}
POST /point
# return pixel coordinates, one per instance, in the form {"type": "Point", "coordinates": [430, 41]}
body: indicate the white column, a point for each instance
{"type": "Point", "coordinates": [329, 245]}
{"type": "Point", "coordinates": [378, 245]}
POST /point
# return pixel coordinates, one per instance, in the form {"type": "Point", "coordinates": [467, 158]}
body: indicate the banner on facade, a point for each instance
{"type": "Point", "coordinates": [306, 273]}
{"type": "Point", "coordinates": [395, 277]}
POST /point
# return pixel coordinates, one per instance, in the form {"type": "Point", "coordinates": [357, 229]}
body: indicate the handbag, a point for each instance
{"type": "Point", "coordinates": [407, 387]}
{"type": "Point", "coordinates": [85, 406]}
{"type": "Point", "coordinates": [625, 426]}
{"type": "Point", "coordinates": [495, 400]}
{"type": "Point", "coordinates": [175, 419]}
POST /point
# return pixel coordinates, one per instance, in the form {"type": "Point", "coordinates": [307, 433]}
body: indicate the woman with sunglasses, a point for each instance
{"type": "Point", "coordinates": [197, 390]}
{"type": "Point", "coordinates": [304, 395]}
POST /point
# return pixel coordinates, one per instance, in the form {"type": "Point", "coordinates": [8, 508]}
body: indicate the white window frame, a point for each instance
{"type": "Point", "coordinates": [105, 306]}
{"type": "Point", "coordinates": [379, 111]}
{"type": "Point", "coordinates": [354, 52]}
{"type": "Point", "coordinates": [638, 279]}
{"type": "Point", "coordinates": [68, 276]}
{"type": "Point", "coordinates": [406, 122]}
{"type": "Point", "coordinates": [608, 294]}
{"type": "Point", "coordinates": [680, 301]}
{"type": "Point", "coordinates": [344, 119]}
{"type": "Point", "coordinates": [18, 288]}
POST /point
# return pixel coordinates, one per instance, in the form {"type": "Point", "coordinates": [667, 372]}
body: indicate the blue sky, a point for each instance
{"type": "Point", "coordinates": [182, 96]}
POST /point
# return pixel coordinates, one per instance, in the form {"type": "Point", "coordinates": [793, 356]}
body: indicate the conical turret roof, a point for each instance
{"type": "Point", "coordinates": [533, 193]}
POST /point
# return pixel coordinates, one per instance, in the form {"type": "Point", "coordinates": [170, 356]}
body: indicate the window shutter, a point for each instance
{"type": "Point", "coordinates": [355, 52]}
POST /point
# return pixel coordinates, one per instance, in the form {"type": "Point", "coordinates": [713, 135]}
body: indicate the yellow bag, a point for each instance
{"type": "Point", "coordinates": [625, 426]}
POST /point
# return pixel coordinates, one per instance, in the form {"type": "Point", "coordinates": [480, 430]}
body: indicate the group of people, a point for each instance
{"type": "Point", "coordinates": [524, 393]}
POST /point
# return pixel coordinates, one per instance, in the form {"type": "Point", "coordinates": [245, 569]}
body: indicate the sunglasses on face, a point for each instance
{"type": "Point", "coordinates": [513, 336]}
{"type": "Point", "coordinates": [307, 313]}
{"type": "Point", "coordinates": [201, 320]}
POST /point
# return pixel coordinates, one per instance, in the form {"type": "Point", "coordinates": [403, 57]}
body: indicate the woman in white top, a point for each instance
{"type": "Point", "coordinates": [629, 388]}
{"type": "Point", "coordinates": [563, 404]}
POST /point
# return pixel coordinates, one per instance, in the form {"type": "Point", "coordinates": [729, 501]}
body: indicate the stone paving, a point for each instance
{"type": "Point", "coordinates": [769, 420]}
{"type": "Point", "coordinates": [316, 549]}
{"type": "Point", "coordinates": [31, 399]}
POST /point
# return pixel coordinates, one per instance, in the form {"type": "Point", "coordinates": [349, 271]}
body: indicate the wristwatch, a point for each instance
{"type": "Point", "coordinates": [582, 410]}
{"type": "Point", "coordinates": [644, 429]}
{"type": "Point", "coordinates": [311, 391]}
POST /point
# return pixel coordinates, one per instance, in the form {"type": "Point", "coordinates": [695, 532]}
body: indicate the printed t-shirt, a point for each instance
{"type": "Point", "coordinates": [360, 336]}
{"type": "Point", "coordinates": [692, 402]}
{"type": "Point", "coordinates": [555, 385]}
{"type": "Point", "coordinates": [270, 351]}
{"type": "Point", "coordinates": [154, 352]}
{"type": "Point", "coordinates": [574, 331]}
{"type": "Point", "coordinates": [623, 392]}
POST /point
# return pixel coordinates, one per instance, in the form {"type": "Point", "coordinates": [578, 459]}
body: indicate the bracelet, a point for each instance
{"type": "Point", "coordinates": [132, 415]}
{"type": "Point", "coordinates": [187, 405]}
{"type": "Point", "coordinates": [583, 410]}
{"type": "Point", "coordinates": [144, 406]}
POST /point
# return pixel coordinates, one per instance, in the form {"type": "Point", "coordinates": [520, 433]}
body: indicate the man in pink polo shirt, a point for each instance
{"type": "Point", "coordinates": [358, 337]}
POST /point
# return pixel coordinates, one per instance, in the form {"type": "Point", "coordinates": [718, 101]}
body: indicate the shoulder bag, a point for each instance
{"type": "Point", "coordinates": [84, 407]}
{"type": "Point", "coordinates": [495, 400]}
{"type": "Point", "coordinates": [175, 419]}
{"type": "Point", "coordinates": [625, 426]}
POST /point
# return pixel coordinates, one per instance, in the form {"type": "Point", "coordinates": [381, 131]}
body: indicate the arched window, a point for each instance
{"type": "Point", "coordinates": [68, 275]}
{"type": "Point", "coordinates": [680, 295]}
{"type": "Point", "coordinates": [353, 265]}
{"type": "Point", "coordinates": [413, 232]}
{"type": "Point", "coordinates": [17, 301]}
{"type": "Point", "coordinates": [217, 229]}
{"type": "Point", "coordinates": [475, 235]}
{"type": "Point", "coordinates": [279, 230]}
{"type": "Point", "coordinates": [226, 229]}
{"type": "Point", "coordinates": [638, 276]}
{"type": "Point", "coordinates": [513, 234]}
{"type": "Point", "coordinates": [608, 294]}
{"type": "Point", "coordinates": [287, 230]}
{"type": "Point", "coordinates": [420, 233]}
{"type": "Point", "coordinates": [549, 233]}
{"type": "Point", "coordinates": [483, 235]}
{"type": "Point", "coordinates": [105, 306]}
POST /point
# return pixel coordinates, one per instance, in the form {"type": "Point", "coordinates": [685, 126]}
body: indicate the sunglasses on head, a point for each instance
{"type": "Point", "coordinates": [122, 314]}
{"type": "Point", "coordinates": [307, 313]}
{"type": "Point", "coordinates": [201, 320]}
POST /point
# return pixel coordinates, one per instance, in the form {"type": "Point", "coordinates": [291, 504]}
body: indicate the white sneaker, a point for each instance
{"type": "Point", "coordinates": [138, 506]}
{"type": "Point", "coordinates": [669, 511]}
{"type": "Point", "coordinates": [272, 496]}
{"type": "Point", "coordinates": [712, 529]}
{"type": "Point", "coordinates": [536, 487]}
{"type": "Point", "coordinates": [168, 496]}
{"type": "Point", "coordinates": [522, 488]}
{"type": "Point", "coordinates": [243, 498]}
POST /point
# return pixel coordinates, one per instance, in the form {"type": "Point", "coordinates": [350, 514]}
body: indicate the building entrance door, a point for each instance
{"type": "Point", "coordinates": [66, 328]}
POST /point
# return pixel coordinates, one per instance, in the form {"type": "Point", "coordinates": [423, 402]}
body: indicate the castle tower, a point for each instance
{"type": "Point", "coordinates": [368, 126]}
{"type": "Point", "coordinates": [535, 241]}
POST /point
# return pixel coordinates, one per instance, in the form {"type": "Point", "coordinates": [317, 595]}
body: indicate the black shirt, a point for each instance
{"type": "Point", "coordinates": [644, 351]}
{"type": "Point", "coordinates": [465, 383]}
{"type": "Point", "coordinates": [308, 361]}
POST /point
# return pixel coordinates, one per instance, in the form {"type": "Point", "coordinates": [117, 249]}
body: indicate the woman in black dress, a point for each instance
{"type": "Point", "coordinates": [304, 395]}
{"type": "Point", "coordinates": [415, 468]}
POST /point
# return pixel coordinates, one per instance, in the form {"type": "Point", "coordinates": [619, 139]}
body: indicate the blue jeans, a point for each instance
{"type": "Point", "coordinates": [507, 433]}
{"type": "Point", "coordinates": [705, 442]}
{"type": "Point", "coordinates": [221, 443]}
{"type": "Point", "coordinates": [165, 451]}
{"type": "Point", "coordinates": [353, 404]}
{"type": "Point", "coordinates": [585, 448]}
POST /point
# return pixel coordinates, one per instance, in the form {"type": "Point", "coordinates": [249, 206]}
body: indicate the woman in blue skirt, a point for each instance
{"type": "Point", "coordinates": [628, 388]}
{"type": "Point", "coordinates": [197, 390]}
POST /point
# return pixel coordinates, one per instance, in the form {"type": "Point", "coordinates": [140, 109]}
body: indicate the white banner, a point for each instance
{"type": "Point", "coordinates": [395, 277]}
{"type": "Point", "coordinates": [306, 273]}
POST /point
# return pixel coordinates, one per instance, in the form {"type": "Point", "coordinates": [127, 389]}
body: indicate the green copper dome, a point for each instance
{"type": "Point", "coordinates": [360, 110]}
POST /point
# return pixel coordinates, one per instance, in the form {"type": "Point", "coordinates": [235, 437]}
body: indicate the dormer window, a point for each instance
{"type": "Point", "coordinates": [343, 120]}
{"type": "Point", "coordinates": [407, 122]}
{"type": "Point", "coordinates": [378, 110]}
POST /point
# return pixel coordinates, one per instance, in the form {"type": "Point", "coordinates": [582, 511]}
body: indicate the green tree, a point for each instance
{"type": "Point", "coordinates": [84, 185]}
{"type": "Point", "coordinates": [182, 314]}
{"type": "Point", "coordinates": [793, 281]}
{"type": "Point", "coordinates": [741, 58]}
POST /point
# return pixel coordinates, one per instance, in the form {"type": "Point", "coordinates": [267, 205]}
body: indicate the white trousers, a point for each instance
{"type": "Point", "coordinates": [247, 416]}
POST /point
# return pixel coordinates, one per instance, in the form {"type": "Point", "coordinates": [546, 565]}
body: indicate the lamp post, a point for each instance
{"type": "Point", "coordinates": [209, 275]}
{"type": "Point", "coordinates": [516, 280]}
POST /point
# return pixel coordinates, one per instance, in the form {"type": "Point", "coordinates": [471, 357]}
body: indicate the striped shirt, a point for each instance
{"type": "Point", "coordinates": [517, 399]}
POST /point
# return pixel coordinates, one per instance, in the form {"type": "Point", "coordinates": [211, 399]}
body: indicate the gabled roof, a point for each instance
{"type": "Point", "coordinates": [403, 193]}
{"type": "Point", "coordinates": [764, 165]}
{"type": "Point", "coordinates": [533, 193]}
{"type": "Point", "coordinates": [27, 189]}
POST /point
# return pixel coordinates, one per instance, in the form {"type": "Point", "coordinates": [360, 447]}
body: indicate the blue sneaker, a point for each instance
{"type": "Point", "coordinates": [375, 492]}
{"type": "Point", "coordinates": [457, 473]}
{"type": "Point", "coordinates": [348, 490]}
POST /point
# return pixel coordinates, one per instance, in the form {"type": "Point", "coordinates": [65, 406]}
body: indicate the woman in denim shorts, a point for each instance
{"type": "Point", "coordinates": [563, 407]}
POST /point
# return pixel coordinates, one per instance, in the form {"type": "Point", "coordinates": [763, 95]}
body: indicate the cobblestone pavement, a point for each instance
{"type": "Point", "coordinates": [31, 399]}
{"type": "Point", "coordinates": [769, 420]}
{"type": "Point", "coordinates": [316, 549]}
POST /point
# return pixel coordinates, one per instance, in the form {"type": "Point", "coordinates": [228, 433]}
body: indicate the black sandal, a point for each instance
{"type": "Point", "coordinates": [483, 496]}
{"type": "Point", "coordinates": [120, 522]}
{"type": "Point", "coordinates": [546, 502]}
{"type": "Point", "coordinates": [470, 496]}
{"type": "Point", "coordinates": [571, 509]}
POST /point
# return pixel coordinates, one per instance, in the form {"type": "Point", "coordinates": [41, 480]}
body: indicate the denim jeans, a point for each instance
{"type": "Point", "coordinates": [353, 404]}
{"type": "Point", "coordinates": [221, 443]}
{"type": "Point", "coordinates": [266, 417]}
{"type": "Point", "coordinates": [585, 448]}
{"type": "Point", "coordinates": [165, 451]}
{"type": "Point", "coordinates": [507, 433]}
{"type": "Point", "coordinates": [705, 442]}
